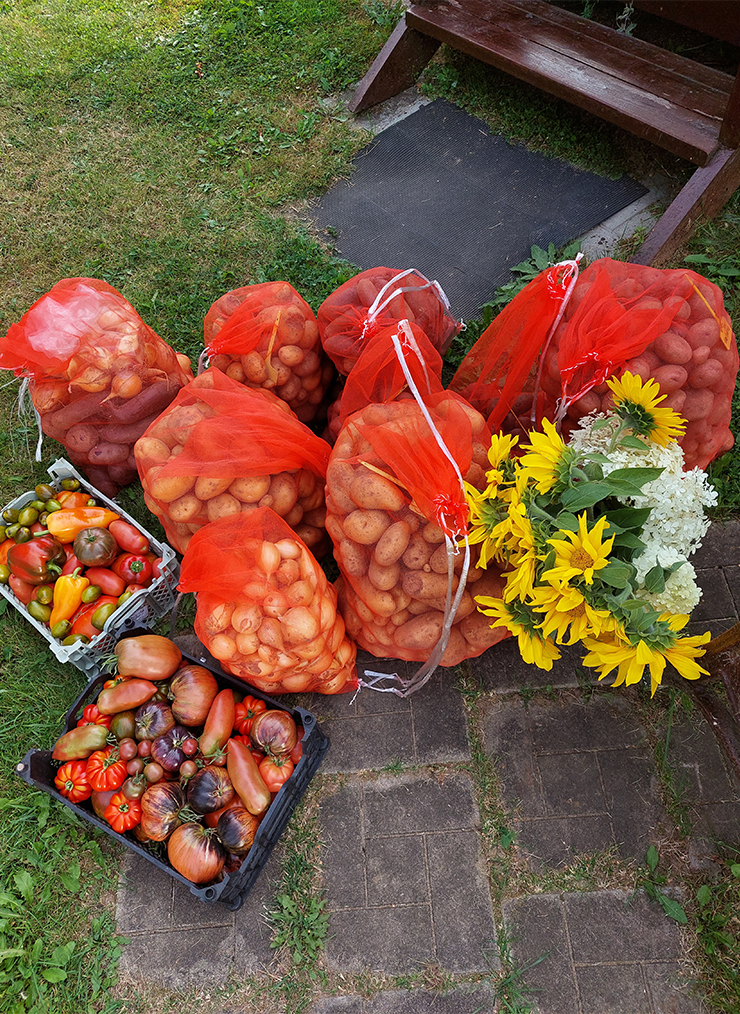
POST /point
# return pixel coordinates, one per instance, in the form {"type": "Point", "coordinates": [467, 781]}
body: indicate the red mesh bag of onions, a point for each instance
{"type": "Point", "coordinates": [670, 325]}
{"type": "Point", "coordinates": [266, 336]}
{"type": "Point", "coordinates": [397, 514]}
{"type": "Point", "coordinates": [376, 298]}
{"type": "Point", "coordinates": [98, 375]}
{"type": "Point", "coordinates": [223, 449]}
{"type": "Point", "coordinates": [265, 609]}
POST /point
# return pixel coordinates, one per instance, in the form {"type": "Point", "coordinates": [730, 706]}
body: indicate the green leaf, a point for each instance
{"type": "Point", "coordinates": [672, 909]}
{"type": "Point", "coordinates": [623, 488]}
{"type": "Point", "coordinates": [630, 441]}
{"type": "Point", "coordinates": [506, 837]}
{"type": "Point", "coordinates": [71, 879]}
{"type": "Point", "coordinates": [586, 495]}
{"type": "Point", "coordinates": [598, 456]}
{"type": "Point", "coordinates": [54, 974]}
{"type": "Point", "coordinates": [24, 882]}
{"type": "Point", "coordinates": [655, 580]}
{"type": "Point", "coordinates": [12, 952]}
{"type": "Point", "coordinates": [637, 476]}
{"type": "Point", "coordinates": [652, 858]}
{"type": "Point", "coordinates": [629, 541]}
{"type": "Point", "coordinates": [704, 894]}
{"type": "Point", "coordinates": [567, 522]}
{"type": "Point", "coordinates": [616, 574]}
{"type": "Point", "coordinates": [628, 517]}
{"type": "Point", "coordinates": [61, 954]}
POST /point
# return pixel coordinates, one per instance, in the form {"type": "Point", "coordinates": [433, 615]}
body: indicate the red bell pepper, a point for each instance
{"type": "Point", "coordinates": [39, 561]}
{"type": "Point", "coordinates": [133, 568]}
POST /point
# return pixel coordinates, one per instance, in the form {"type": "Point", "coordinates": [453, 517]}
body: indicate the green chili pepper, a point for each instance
{"type": "Point", "coordinates": [39, 611]}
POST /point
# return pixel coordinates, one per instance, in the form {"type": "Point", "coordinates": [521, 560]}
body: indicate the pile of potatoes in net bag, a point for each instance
{"type": "Point", "coordinates": [265, 609]}
{"type": "Point", "coordinates": [222, 449]}
{"type": "Point", "coordinates": [391, 553]}
{"type": "Point", "coordinates": [266, 336]}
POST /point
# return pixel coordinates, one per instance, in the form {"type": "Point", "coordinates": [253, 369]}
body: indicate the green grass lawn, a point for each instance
{"type": "Point", "coordinates": [164, 146]}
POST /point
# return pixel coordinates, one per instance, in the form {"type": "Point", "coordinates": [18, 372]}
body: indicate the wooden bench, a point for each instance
{"type": "Point", "coordinates": [683, 106]}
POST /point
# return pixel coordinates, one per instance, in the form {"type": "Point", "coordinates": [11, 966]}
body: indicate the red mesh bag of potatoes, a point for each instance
{"type": "Point", "coordinates": [376, 298]}
{"type": "Point", "coordinates": [98, 375]}
{"type": "Point", "coordinates": [498, 375]}
{"type": "Point", "coordinates": [265, 609]}
{"type": "Point", "coordinates": [266, 336]}
{"type": "Point", "coordinates": [222, 449]}
{"type": "Point", "coordinates": [670, 325]}
{"type": "Point", "coordinates": [397, 514]}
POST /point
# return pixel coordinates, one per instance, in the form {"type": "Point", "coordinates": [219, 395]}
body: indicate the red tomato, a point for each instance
{"type": "Point", "coordinates": [276, 771]}
{"type": "Point", "coordinates": [91, 716]}
{"type": "Point", "coordinates": [4, 547]}
{"type": "Point", "coordinates": [156, 562]}
{"type": "Point", "coordinates": [108, 582]}
{"type": "Point", "coordinates": [128, 538]}
{"type": "Point", "coordinates": [246, 712]}
{"type": "Point", "coordinates": [21, 589]}
{"type": "Point", "coordinates": [122, 813]}
{"type": "Point", "coordinates": [82, 619]}
{"type": "Point", "coordinates": [133, 568]}
{"type": "Point", "coordinates": [106, 770]}
{"type": "Point", "coordinates": [71, 780]}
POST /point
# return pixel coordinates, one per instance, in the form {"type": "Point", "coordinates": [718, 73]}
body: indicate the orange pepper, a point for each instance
{"type": "Point", "coordinates": [66, 523]}
{"type": "Point", "coordinates": [69, 499]}
{"type": "Point", "coordinates": [68, 591]}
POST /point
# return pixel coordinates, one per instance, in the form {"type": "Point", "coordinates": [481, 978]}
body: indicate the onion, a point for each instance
{"type": "Point", "coordinates": [125, 385]}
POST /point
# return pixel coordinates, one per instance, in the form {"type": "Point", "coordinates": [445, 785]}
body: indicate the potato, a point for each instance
{"type": "Point", "coordinates": [672, 348]}
{"type": "Point", "coordinates": [392, 544]}
{"type": "Point", "coordinates": [352, 557]}
{"type": "Point", "coordinates": [185, 508]}
{"type": "Point", "coordinates": [384, 578]}
{"type": "Point", "coordinates": [294, 516]}
{"type": "Point", "coordinates": [698, 405]}
{"type": "Point", "coordinates": [206, 487]}
{"type": "Point", "coordinates": [670, 378]}
{"type": "Point", "coordinates": [703, 332]}
{"type": "Point", "coordinates": [379, 602]}
{"type": "Point", "coordinates": [421, 585]}
{"type": "Point", "coordinates": [420, 633]}
{"type": "Point", "coordinates": [168, 487]}
{"type": "Point", "coordinates": [477, 631]}
{"type": "Point", "coordinates": [418, 553]}
{"type": "Point", "coordinates": [372, 491]}
{"type": "Point", "coordinates": [282, 494]}
{"type": "Point", "coordinates": [235, 371]}
{"type": "Point", "coordinates": [456, 649]}
{"type": "Point", "coordinates": [222, 506]}
{"type": "Point", "coordinates": [151, 450]}
{"type": "Point", "coordinates": [366, 526]}
{"type": "Point", "coordinates": [255, 370]}
{"type": "Point", "coordinates": [432, 533]}
{"type": "Point", "coordinates": [250, 489]}
{"type": "Point", "coordinates": [706, 374]}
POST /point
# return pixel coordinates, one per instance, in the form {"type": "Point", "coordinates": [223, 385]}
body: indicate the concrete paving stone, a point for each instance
{"type": "Point", "coordinates": [342, 856]}
{"type": "Point", "coordinates": [538, 940]}
{"type": "Point", "coordinates": [464, 927]}
{"type": "Point", "coordinates": [463, 1000]}
{"type": "Point", "coordinates": [507, 740]}
{"type": "Point", "coordinates": [671, 990]}
{"type": "Point", "coordinates": [716, 601]}
{"type": "Point", "coordinates": [337, 1005]}
{"type": "Point", "coordinates": [252, 934]}
{"type": "Point", "coordinates": [720, 546]}
{"type": "Point", "coordinates": [558, 841]}
{"type": "Point", "coordinates": [371, 742]}
{"type": "Point", "coordinates": [144, 897]}
{"type": "Point", "coordinates": [179, 960]}
{"type": "Point", "coordinates": [633, 801]}
{"type": "Point", "coordinates": [615, 926]}
{"type": "Point", "coordinates": [571, 784]}
{"type": "Point", "coordinates": [501, 669]}
{"type": "Point", "coordinates": [440, 725]}
{"type": "Point", "coordinates": [732, 577]}
{"type": "Point", "coordinates": [414, 803]}
{"type": "Point", "coordinates": [392, 941]}
{"type": "Point", "coordinates": [715, 627]}
{"type": "Point", "coordinates": [699, 765]}
{"type": "Point", "coordinates": [618, 989]}
{"type": "Point", "coordinates": [602, 722]}
{"type": "Point", "coordinates": [718, 821]}
{"type": "Point", "coordinates": [396, 870]}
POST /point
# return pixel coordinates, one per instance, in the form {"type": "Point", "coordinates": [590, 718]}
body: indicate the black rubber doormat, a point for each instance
{"type": "Point", "coordinates": [439, 192]}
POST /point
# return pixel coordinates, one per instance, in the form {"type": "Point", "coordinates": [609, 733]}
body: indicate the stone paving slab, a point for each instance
{"type": "Point", "coordinates": [579, 774]}
{"type": "Point", "coordinates": [464, 1000]}
{"type": "Point", "coordinates": [402, 864]}
{"type": "Point", "coordinates": [602, 952]}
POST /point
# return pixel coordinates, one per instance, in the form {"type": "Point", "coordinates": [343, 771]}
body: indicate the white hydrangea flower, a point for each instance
{"type": "Point", "coordinates": [681, 593]}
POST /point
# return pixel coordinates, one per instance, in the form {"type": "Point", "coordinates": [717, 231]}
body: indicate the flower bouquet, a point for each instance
{"type": "Point", "coordinates": [595, 537]}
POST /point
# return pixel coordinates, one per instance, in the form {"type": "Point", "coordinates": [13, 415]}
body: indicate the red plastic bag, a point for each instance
{"type": "Point", "coordinates": [222, 449]}
{"type": "Point", "coordinates": [498, 375]}
{"type": "Point", "coordinates": [375, 299]}
{"type": "Point", "coordinates": [266, 336]}
{"type": "Point", "coordinates": [396, 511]}
{"type": "Point", "coordinates": [98, 375]}
{"type": "Point", "coordinates": [265, 608]}
{"type": "Point", "coordinates": [670, 325]}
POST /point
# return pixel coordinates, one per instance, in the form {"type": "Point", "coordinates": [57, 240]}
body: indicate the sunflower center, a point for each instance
{"type": "Point", "coordinates": [581, 560]}
{"type": "Point", "coordinates": [577, 611]}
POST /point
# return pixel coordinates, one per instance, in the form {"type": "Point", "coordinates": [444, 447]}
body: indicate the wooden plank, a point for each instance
{"type": "Point", "coordinates": [718, 18]}
{"type": "Point", "coordinates": [684, 133]}
{"type": "Point", "coordinates": [602, 46]}
{"type": "Point", "coordinates": [702, 197]}
{"type": "Point", "coordinates": [729, 134]}
{"type": "Point", "coordinates": [396, 67]}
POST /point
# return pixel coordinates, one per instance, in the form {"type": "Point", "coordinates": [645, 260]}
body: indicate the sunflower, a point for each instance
{"type": "Point", "coordinates": [499, 455]}
{"type": "Point", "coordinates": [534, 649]}
{"type": "Point", "coordinates": [630, 653]}
{"type": "Point", "coordinates": [487, 517]}
{"type": "Point", "coordinates": [566, 607]}
{"type": "Point", "coordinates": [639, 405]}
{"type": "Point", "coordinates": [549, 461]}
{"type": "Point", "coordinates": [580, 553]}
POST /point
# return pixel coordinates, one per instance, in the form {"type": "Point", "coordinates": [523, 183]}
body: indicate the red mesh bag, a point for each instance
{"type": "Point", "coordinates": [670, 325]}
{"type": "Point", "coordinates": [266, 336]}
{"type": "Point", "coordinates": [376, 298]}
{"type": "Point", "coordinates": [98, 375]}
{"type": "Point", "coordinates": [265, 608]}
{"type": "Point", "coordinates": [498, 375]}
{"type": "Point", "coordinates": [395, 512]}
{"type": "Point", "coordinates": [222, 449]}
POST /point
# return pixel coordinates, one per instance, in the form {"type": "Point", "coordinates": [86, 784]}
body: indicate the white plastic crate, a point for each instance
{"type": "Point", "coordinates": [142, 609]}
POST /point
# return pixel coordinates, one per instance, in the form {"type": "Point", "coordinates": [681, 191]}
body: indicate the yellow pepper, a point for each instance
{"type": "Point", "coordinates": [66, 523]}
{"type": "Point", "coordinates": [68, 591]}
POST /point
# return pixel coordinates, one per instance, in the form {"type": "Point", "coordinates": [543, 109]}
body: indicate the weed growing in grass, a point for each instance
{"type": "Point", "coordinates": [511, 991]}
{"type": "Point", "coordinates": [717, 926]}
{"type": "Point", "coordinates": [652, 884]}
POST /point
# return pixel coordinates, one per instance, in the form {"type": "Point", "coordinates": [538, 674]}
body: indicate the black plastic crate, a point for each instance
{"type": "Point", "coordinates": [38, 769]}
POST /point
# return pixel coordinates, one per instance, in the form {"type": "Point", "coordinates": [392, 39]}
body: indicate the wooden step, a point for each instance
{"type": "Point", "coordinates": [667, 99]}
